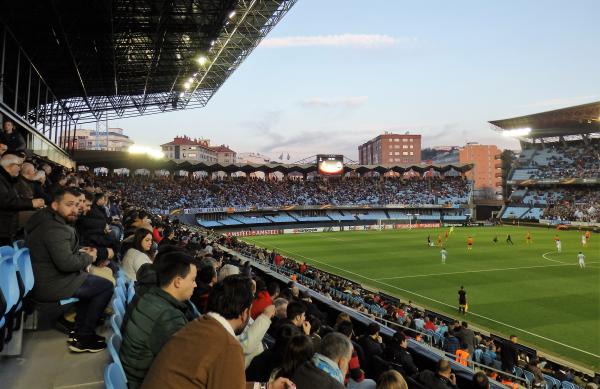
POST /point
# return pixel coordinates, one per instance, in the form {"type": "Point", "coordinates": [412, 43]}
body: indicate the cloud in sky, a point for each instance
{"type": "Point", "coordinates": [345, 102]}
{"type": "Point", "coordinates": [365, 41]}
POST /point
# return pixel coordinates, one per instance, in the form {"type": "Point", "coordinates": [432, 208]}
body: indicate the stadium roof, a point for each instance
{"type": "Point", "coordinates": [580, 119]}
{"type": "Point", "coordinates": [135, 57]}
{"type": "Point", "coordinates": [118, 160]}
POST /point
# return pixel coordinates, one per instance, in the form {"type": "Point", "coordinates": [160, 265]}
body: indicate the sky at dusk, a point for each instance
{"type": "Point", "coordinates": [336, 73]}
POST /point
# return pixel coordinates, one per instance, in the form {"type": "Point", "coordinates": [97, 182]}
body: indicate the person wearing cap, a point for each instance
{"type": "Point", "coordinates": [10, 202]}
{"type": "Point", "coordinates": [13, 140]}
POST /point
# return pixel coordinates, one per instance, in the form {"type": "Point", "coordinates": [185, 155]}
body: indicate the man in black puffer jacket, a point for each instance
{"type": "Point", "coordinates": [60, 267]}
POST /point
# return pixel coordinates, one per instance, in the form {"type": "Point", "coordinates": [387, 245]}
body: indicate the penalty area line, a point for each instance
{"type": "Point", "coordinates": [439, 302]}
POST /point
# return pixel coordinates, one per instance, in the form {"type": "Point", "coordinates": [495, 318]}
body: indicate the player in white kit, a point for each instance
{"type": "Point", "coordinates": [581, 259]}
{"type": "Point", "coordinates": [444, 253]}
{"type": "Point", "coordinates": [558, 245]}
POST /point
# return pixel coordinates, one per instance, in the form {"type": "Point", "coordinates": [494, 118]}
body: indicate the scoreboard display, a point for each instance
{"type": "Point", "coordinates": [330, 165]}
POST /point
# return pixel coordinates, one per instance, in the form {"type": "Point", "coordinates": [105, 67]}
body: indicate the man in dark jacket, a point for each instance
{"type": "Point", "coordinates": [12, 138]}
{"type": "Point", "coordinates": [10, 202]}
{"type": "Point", "coordinates": [60, 268]}
{"type": "Point", "coordinates": [328, 367]}
{"type": "Point", "coordinates": [160, 313]}
{"type": "Point", "coordinates": [466, 336]}
{"type": "Point", "coordinates": [372, 345]}
{"type": "Point", "coordinates": [508, 354]}
{"type": "Point", "coordinates": [397, 352]}
{"type": "Point", "coordinates": [443, 378]}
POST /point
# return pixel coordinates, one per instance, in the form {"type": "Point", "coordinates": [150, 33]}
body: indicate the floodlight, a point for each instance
{"type": "Point", "coordinates": [232, 14]}
{"type": "Point", "coordinates": [187, 85]}
{"type": "Point", "coordinates": [516, 132]}
{"type": "Point", "coordinates": [202, 60]}
{"type": "Point", "coordinates": [146, 150]}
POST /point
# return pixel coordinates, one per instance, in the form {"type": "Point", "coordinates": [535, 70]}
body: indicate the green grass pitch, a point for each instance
{"type": "Point", "coordinates": [530, 290]}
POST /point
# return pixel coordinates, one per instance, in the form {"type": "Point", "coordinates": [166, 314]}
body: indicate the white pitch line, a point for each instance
{"type": "Point", "coordinates": [550, 259]}
{"type": "Point", "coordinates": [441, 303]}
{"type": "Point", "coordinates": [475, 271]}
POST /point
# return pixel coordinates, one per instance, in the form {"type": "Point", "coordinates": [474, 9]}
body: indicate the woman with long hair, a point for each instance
{"type": "Point", "coordinates": [139, 254]}
{"type": "Point", "coordinates": [299, 350]}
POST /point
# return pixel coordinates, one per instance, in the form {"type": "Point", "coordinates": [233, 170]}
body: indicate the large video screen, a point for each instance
{"type": "Point", "coordinates": [330, 165]}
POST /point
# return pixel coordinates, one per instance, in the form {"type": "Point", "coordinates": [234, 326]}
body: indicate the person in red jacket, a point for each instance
{"type": "Point", "coordinates": [303, 268]}
{"type": "Point", "coordinates": [278, 260]}
{"type": "Point", "coordinates": [429, 325]}
{"type": "Point", "coordinates": [157, 234]}
{"type": "Point", "coordinates": [262, 299]}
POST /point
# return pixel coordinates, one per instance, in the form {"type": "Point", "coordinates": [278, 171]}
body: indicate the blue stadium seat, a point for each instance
{"type": "Point", "coordinates": [18, 244]}
{"type": "Point", "coordinates": [568, 385]}
{"type": "Point", "coordinates": [518, 371]}
{"type": "Point", "coordinates": [130, 292]}
{"type": "Point", "coordinates": [116, 320]}
{"type": "Point", "coordinates": [9, 283]}
{"type": "Point", "coordinates": [121, 282]}
{"type": "Point", "coordinates": [114, 345]}
{"type": "Point", "coordinates": [22, 260]}
{"type": "Point", "coordinates": [118, 306]}
{"type": "Point", "coordinates": [120, 292]}
{"type": "Point", "coordinates": [551, 382]}
{"type": "Point", "coordinates": [6, 251]}
{"type": "Point", "coordinates": [114, 378]}
{"type": "Point", "coordinates": [528, 376]}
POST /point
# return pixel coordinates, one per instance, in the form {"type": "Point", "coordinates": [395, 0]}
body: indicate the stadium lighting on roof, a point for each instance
{"type": "Point", "coordinates": [202, 60]}
{"type": "Point", "coordinates": [517, 132]}
{"type": "Point", "coordinates": [187, 85]}
{"type": "Point", "coordinates": [190, 80]}
{"type": "Point", "coordinates": [146, 150]}
{"type": "Point", "coordinates": [232, 14]}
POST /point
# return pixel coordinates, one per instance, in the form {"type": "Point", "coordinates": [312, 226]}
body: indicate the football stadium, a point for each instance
{"type": "Point", "coordinates": [125, 267]}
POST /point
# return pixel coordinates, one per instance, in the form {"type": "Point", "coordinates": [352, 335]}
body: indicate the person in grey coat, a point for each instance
{"type": "Point", "coordinates": [466, 336]}
{"type": "Point", "coordinates": [60, 268]}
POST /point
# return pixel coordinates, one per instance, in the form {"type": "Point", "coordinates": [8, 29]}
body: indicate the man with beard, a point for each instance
{"type": "Point", "coordinates": [206, 354]}
{"type": "Point", "coordinates": [160, 313]}
{"type": "Point", "coordinates": [60, 266]}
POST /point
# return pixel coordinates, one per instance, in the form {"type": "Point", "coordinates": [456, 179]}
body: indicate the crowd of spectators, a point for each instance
{"type": "Point", "coordinates": [242, 192]}
{"type": "Point", "coordinates": [567, 161]}
{"type": "Point", "coordinates": [453, 337]}
{"type": "Point", "coordinates": [201, 317]}
{"type": "Point", "coordinates": [575, 205]}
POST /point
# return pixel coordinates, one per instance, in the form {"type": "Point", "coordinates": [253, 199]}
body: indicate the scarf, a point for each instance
{"type": "Point", "coordinates": [328, 366]}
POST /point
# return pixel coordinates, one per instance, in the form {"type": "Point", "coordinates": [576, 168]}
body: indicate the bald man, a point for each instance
{"type": "Point", "coordinates": [10, 202]}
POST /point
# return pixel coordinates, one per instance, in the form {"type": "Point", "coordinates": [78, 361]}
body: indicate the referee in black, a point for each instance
{"type": "Point", "coordinates": [462, 300]}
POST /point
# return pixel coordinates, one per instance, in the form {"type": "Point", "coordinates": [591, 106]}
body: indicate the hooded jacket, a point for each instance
{"type": "Point", "coordinates": [58, 266]}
